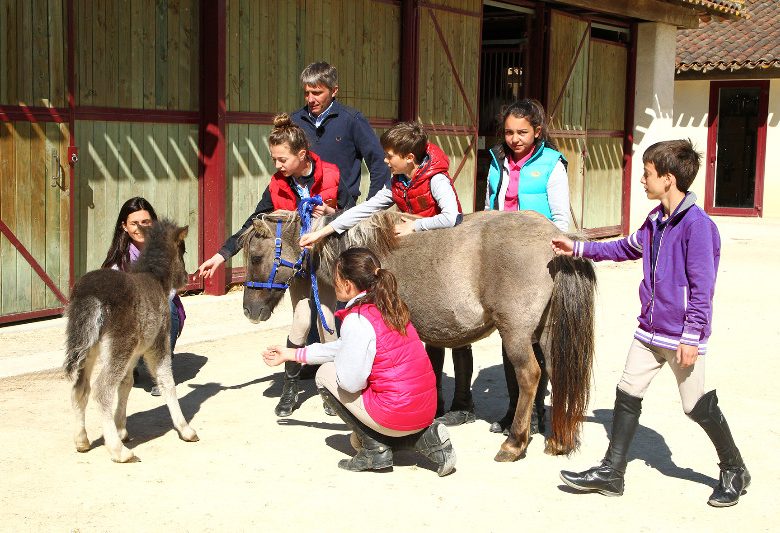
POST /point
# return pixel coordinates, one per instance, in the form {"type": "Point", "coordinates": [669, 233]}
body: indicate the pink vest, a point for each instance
{"type": "Point", "coordinates": [401, 392]}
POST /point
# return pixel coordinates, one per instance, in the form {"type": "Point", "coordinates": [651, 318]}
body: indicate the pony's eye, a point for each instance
{"type": "Point", "coordinates": [256, 259]}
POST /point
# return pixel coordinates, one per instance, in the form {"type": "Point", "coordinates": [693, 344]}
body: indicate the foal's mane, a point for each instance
{"type": "Point", "coordinates": [156, 257]}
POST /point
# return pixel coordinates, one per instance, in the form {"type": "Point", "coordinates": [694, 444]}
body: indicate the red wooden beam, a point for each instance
{"type": "Point", "coordinates": [628, 139]}
{"type": "Point", "coordinates": [408, 104]}
{"type": "Point", "coordinates": [213, 183]}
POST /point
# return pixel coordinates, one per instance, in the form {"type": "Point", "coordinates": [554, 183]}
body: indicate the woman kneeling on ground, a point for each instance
{"type": "Point", "coordinates": [376, 376]}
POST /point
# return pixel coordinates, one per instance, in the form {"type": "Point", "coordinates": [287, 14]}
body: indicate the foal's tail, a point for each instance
{"type": "Point", "coordinates": [85, 320]}
{"type": "Point", "coordinates": [571, 349]}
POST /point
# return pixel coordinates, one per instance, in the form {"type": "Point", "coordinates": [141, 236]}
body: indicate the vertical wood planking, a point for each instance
{"type": "Point", "coordinates": [113, 54]}
{"type": "Point", "coordinates": [40, 53]}
{"type": "Point", "coordinates": [57, 46]}
{"type": "Point", "coordinates": [23, 211]}
{"type": "Point", "coordinates": [149, 18]}
{"type": "Point", "coordinates": [52, 242]}
{"type": "Point", "coordinates": [243, 55]}
{"type": "Point", "coordinates": [37, 211]}
{"type": "Point", "coordinates": [124, 46]}
{"type": "Point", "coordinates": [24, 74]}
{"type": "Point", "coordinates": [136, 46]}
{"type": "Point", "coordinates": [172, 56]}
{"type": "Point", "coordinates": [160, 55]}
{"type": "Point", "coordinates": [99, 67]}
{"type": "Point", "coordinates": [8, 215]}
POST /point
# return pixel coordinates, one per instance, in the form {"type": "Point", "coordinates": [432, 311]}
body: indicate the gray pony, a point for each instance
{"type": "Point", "coordinates": [496, 270]}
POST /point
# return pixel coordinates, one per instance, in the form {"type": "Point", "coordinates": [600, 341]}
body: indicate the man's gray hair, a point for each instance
{"type": "Point", "coordinates": [320, 73]}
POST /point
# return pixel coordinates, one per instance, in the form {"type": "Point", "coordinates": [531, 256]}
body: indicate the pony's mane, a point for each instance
{"type": "Point", "coordinates": [377, 233]}
{"type": "Point", "coordinates": [156, 255]}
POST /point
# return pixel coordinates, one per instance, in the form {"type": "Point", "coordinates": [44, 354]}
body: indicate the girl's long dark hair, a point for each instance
{"type": "Point", "coordinates": [362, 267]}
{"type": "Point", "coordinates": [533, 111]}
{"type": "Point", "coordinates": [118, 254]}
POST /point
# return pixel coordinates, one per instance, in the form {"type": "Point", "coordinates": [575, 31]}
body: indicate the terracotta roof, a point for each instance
{"type": "Point", "coordinates": [727, 8]}
{"type": "Point", "coordinates": [733, 45]}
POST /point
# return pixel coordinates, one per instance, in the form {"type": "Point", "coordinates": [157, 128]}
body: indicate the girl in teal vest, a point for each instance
{"type": "Point", "coordinates": [527, 172]}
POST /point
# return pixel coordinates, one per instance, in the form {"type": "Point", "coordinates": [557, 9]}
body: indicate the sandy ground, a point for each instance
{"type": "Point", "coordinates": [251, 470]}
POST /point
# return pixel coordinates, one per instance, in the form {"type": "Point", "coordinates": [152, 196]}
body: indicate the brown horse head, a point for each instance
{"type": "Point", "coordinates": [163, 256]}
{"type": "Point", "coordinates": [258, 242]}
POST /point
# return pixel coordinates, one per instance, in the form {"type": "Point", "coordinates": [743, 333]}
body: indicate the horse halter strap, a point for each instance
{"type": "Point", "coordinates": [305, 208]}
{"type": "Point", "coordinates": [296, 267]}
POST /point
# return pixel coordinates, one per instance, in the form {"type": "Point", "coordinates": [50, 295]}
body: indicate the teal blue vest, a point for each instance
{"type": "Point", "coordinates": [532, 191]}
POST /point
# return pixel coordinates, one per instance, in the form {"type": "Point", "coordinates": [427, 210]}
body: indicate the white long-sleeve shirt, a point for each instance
{"type": "Point", "coordinates": [441, 190]}
{"type": "Point", "coordinates": [353, 353]}
{"type": "Point", "coordinates": [557, 194]}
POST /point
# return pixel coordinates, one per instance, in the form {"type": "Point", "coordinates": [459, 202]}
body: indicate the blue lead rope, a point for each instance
{"type": "Point", "coordinates": [305, 208]}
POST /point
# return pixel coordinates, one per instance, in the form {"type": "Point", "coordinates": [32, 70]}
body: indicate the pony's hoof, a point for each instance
{"type": "Point", "coordinates": [504, 456]}
{"type": "Point", "coordinates": [82, 447]}
{"type": "Point", "coordinates": [188, 434]}
{"type": "Point", "coordinates": [552, 447]}
{"type": "Point", "coordinates": [125, 456]}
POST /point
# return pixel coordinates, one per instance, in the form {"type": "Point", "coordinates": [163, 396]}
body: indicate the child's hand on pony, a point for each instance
{"type": "Point", "coordinates": [562, 246]}
{"type": "Point", "coordinates": [276, 355]}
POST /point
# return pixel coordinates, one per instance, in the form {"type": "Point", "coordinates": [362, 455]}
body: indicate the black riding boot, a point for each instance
{"type": "Point", "coordinates": [462, 408]}
{"type": "Point", "coordinates": [375, 451]}
{"type": "Point", "coordinates": [436, 355]}
{"type": "Point", "coordinates": [734, 476]}
{"type": "Point", "coordinates": [434, 443]}
{"type": "Point", "coordinates": [289, 398]}
{"type": "Point", "coordinates": [538, 422]}
{"type": "Point", "coordinates": [513, 391]}
{"type": "Point", "coordinates": [607, 478]}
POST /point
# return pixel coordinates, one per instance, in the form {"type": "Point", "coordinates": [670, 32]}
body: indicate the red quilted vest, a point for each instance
{"type": "Point", "coordinates": [326, 184]}
{"type": "Point", "coordinates": [401, 392]}
{"type": "Point", "coordinates": [417, 198]}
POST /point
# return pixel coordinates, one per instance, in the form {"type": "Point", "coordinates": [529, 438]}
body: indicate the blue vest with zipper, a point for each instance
{"type": "Point", "coordinates": [532, 189]}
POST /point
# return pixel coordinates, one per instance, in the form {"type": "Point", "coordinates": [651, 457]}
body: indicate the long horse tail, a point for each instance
{"type": "Point", "coordinates": [85, 320]}
{"type": "Point", "coordinates": [572, 344]}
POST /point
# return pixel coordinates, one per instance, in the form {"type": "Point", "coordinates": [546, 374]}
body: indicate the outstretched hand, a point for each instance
{"type": "Point", "coordinates": [404, 228]}
{"type": "Point", "coordinates": [209, 266]}
{"type": "Point", "coordinates": [276, 355]}
{"type": "Point", "coordinates": [562, 246]}
{"type": "Point", "coordinates": [310, 239]}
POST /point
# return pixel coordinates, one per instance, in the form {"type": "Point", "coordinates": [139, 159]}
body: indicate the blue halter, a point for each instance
{"type": "Point", "coordinates": [305, 208]}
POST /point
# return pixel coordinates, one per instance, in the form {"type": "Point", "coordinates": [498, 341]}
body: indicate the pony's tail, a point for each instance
{"type": "Point", "coordinates": [571, 350]}
{"type": "Point", "coordinates": [85, 320]}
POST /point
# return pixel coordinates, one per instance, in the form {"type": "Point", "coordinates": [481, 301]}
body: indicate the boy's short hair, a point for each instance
{"type": "Point", "coordinates": [406, 138]}
{"type": "Point", "coordinates": [320, 73]}
{"type": "Point", "coordinates": [678, 158]}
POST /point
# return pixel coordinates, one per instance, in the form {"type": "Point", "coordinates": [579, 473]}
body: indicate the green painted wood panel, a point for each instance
{"type": "Point", "coordinates": [140, 54]}
{"type": "Point", "coordinates": [36, 213]}
{"type": "Point", "coordinates": [269, 43]}
{"type": "Point", "coordinates": [120, 160]}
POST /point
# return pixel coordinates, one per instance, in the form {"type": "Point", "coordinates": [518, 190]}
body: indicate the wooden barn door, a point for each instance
{"type": "Point", "coordinates": [34, 176]}
{"type": "Point", "coordinates": [586, 100]}
{"type": "Point", "coordinates": [448, 81]}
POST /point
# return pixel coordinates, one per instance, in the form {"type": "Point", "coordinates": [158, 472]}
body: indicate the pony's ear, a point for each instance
{"type": "Point", "coordinates": [181, 234]}
{"type": "Point", "coordinates": [261, 229]}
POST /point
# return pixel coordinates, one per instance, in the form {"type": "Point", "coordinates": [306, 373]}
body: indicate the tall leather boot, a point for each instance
{"type": "Point", "coordinates": [513, 391]}
{"type": "Point", "coordinates": [538, 421]}
{"type": "Point", "coordinates": [375, 451]}
{"type": "Point", "coordinates": [607, 478]}
{"type": "Point", "coordinates": [436, 355]}
{"type": "Point", "coordinates": [290, 391]}
{"type": "Point", "coordinates": [734, 476]}
{"type": "Point", "coordinates": [434, 443]}
{"type": "Point", "coordinates": [462, 408]}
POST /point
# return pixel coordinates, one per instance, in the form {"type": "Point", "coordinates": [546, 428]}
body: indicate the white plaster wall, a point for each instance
{"type": "Point", "coordinates": [653, 104]}
{"type": "Point", "coordinates": [691, 106]}
{"type": "Point", "coordinates": [772, 168]}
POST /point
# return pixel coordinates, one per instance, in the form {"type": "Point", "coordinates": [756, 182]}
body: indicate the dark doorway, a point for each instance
{"type": "Point", "coordinates": [736, 147]}
{"type": "Point", "coordinates": [505, 75]}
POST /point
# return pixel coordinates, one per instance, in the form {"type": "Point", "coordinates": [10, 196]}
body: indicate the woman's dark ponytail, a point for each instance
{"type": "Point", "coordinates": [362, 267]}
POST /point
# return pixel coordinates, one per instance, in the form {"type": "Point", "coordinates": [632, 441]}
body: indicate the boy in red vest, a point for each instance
{"type": "Point", "coordinates": [421, 185]}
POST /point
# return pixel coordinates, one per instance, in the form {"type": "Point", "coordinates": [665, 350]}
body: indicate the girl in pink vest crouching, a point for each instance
{"type": "Point", "coordinates": [376, 376]}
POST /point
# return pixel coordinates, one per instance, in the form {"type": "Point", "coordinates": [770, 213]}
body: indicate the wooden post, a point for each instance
{"type": "Point", "coordinates": [212, 138]}
{"type": "Point", "coordinates": [409, 60]}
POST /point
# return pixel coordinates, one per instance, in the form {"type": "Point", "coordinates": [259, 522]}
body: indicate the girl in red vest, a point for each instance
{"type": "Point", "coordinates": [377, 376]}
{"type": "Point", "coordinates": [300, 174]}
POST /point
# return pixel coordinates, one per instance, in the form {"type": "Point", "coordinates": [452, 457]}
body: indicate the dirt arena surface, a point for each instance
{"type": "Point", "coordinates": [253, 471]}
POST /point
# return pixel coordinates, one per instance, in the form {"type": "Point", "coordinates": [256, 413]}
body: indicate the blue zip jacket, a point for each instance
{"type": "Point", "coordinates": [345, 139]}
{"type": "Point", "coordinates": [534, 175]}
{"type": "Point", "coordinates": [676, 292]}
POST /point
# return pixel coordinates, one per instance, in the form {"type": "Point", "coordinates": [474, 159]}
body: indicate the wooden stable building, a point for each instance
{"type": "Point", "coordinates": [173, 100]}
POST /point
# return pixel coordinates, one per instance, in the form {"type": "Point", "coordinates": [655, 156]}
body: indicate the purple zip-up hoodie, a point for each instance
{"type": "Point", "coordinates": [676, 295]}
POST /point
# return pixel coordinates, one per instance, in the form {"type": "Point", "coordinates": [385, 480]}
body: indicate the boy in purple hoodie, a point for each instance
{"type": "Point", "coordinates": [680, 248]}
